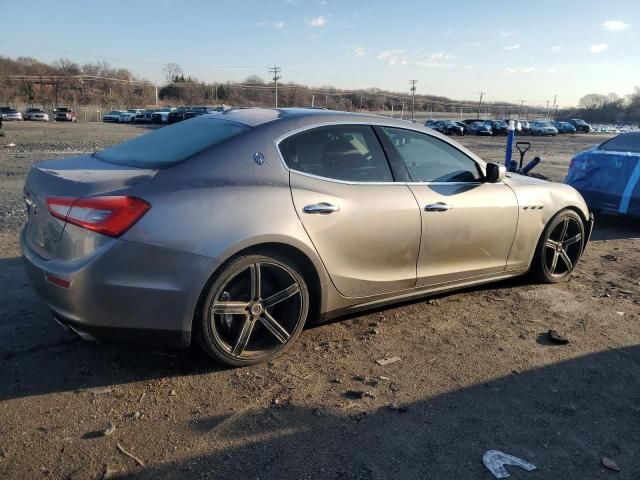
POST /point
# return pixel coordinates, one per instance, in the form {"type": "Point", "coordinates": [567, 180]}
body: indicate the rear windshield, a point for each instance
{"type": "Point", "coordinates": [173, 144]}
{"type": "Point", "coordinates": [627, 142]}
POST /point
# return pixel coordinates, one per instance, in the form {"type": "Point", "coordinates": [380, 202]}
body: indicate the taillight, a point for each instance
{"type": "Point", "coordinates": [109, 215]}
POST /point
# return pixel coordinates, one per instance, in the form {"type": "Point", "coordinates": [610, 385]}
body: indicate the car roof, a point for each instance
{"type": "Point", "coordinates": [254, 117]}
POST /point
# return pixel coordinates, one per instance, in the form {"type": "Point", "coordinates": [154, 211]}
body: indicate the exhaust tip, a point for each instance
{"type": "Point", "coordinates": [67, 326]}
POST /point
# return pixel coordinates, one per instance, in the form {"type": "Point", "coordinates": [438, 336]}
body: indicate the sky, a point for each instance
{"type": "Point", "coordinates": [531, 51]}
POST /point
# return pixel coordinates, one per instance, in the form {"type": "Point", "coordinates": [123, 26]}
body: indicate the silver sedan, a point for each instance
{"type": "Point", "coordinates": [236, 229]}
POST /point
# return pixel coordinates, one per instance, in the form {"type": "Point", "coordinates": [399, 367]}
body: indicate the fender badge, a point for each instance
{"type": "Point", "coordinates": [259, 158]}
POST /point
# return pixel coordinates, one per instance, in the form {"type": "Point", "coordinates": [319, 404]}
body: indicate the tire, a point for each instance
{"type": "Point", "coordinates": [243, 324]}
{"type": "Point", "coordinates": [559, 248]}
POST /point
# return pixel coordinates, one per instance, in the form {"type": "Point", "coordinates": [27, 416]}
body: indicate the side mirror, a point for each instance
{"type": "Point", "coordinates": [495, 173]}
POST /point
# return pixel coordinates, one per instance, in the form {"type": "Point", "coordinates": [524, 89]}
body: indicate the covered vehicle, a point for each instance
{"type": "Point", "coordinates": [36, 114]}
{"type": "Point", "coordinates": [112, 117]}
{"type": "Point", "coordinates": [608, 176]}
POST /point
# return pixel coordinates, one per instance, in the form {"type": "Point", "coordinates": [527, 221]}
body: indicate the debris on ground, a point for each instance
{"type": "Point", "coordinates": [10, 145]}
{"type": "Point", "coordinates": [388, 361]}
{"type": "Point", "coordinates": [610, 464]}
{"type": "Point", "coordinates": [129, 454]}
{"type": "Point", "coordinates": [620, 313]}
{"type": "Point", "coordinates": [172, 393]}
{"type": "Point", "coordinates": [495, 461]}
{"type": "Point", "coordinates": [358, 394]}
{"type": "Point", "coordinates": [556, 338]}
{"type": "Point", "coordinates": [110, 428]}
{"type": "Point", "coordinates": [109, 472]}
{"type": "Point", "coordinates": [394, 407]}
{"type": "Point", "coordinates": [610, 257]}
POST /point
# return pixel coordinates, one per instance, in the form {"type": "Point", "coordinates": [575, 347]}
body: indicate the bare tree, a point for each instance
{"type": "Point", "coordinates": [171, 71]}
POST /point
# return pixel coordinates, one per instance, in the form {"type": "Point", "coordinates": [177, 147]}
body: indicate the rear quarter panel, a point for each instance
{"type": "Point", "coordinates": [222, 201]}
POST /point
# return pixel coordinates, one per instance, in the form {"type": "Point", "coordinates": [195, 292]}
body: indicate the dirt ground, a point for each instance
{"type": "Point", "coordinates": [476, 372]}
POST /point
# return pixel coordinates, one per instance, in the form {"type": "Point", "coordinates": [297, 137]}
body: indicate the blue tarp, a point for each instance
{"type": "Point", "coordinates": [608, 180]}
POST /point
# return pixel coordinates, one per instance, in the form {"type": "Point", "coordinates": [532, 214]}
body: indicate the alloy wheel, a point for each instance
{"type": "Point", "coordinates": [256, 311]}
{"type": "Point", "coordinates": [563, 247]}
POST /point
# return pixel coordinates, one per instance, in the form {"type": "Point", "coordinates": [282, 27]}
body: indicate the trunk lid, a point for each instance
{"type": "Point", "coordinates": [73, 177]}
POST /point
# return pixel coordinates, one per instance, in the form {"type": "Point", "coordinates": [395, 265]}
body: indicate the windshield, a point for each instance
{"type": "Point", "coordinates": [63, 109]}
{"type": "Point", "coordinates": [627, 142]}
{"type": "Point", "coordinates": [577, 121]}
{"type": "Point", "coordinates": [543, 124]}
{"type": "Point", "coordinates": [171, 145]}
{"type": "Point", "coordinates": [114, 112]}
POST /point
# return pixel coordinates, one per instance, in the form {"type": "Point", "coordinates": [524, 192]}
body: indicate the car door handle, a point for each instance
{"type": "Point", "coordinates": [437, 207]}
{"type": "Point", "coordinates": [322, 208]}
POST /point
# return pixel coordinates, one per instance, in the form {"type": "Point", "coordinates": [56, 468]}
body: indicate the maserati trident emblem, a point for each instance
{"type": "Point", "coordinates": [258, 157]}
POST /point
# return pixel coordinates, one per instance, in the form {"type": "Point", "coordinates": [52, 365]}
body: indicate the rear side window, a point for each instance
{"type": "Point", "coordinates": [342, 152]}
{"type": "Point", "coordinates": [173, 144]}
{"type": "Point", "coordinates": [627, 142]}
{"type": "Point", "coordinates": [429, 159]}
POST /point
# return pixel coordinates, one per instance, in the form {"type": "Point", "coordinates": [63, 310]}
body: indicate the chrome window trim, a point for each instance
{"type": "Point", "coordinates": [291, 133]}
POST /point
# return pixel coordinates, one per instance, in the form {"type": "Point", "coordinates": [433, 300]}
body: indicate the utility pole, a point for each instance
{"type": "Point", "coordinates": [156, 94]}
{"type": "Point", "coordinates": [276, 76]}
{"type": "Point", "coordinates": [413, 97]}
{"type": "Point", "coordinates": [482, 94]}
{"type": "Point", "coordinates": [313, 98]}
{"type": "Point", "coordinates": [547, 109]}
{"type": "Point", "coordinates": [520, 110]}
{"type": "Point", "coordinates": [555, 104]}
{"type": "Point", "coordinates": [360, 102]}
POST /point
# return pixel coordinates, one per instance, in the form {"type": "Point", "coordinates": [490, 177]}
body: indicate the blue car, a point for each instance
{"type": "Point", "coordinates": [479, 128]}
{"type": "Point", "coordinates": [608, 176]}
{"type": "Point", "coordinates": [564, 127]}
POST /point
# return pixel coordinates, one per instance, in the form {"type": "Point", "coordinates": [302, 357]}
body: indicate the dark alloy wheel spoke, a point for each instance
{"type": "Point", "coordinates": [567, 261]}
{"type": "Point", "coordinates": [231, 308]}
{"type": "Point", "coordinates": [274, 327]}
{"type": "Point", "coordinates": [256, 280]}
{"type": "Point", "coordinates": [565, 227]}
{"type": "Point", "coordinates": [572, 240]}
{"type": "Point", "coordinates": [243, 337]}
{"type": "Point", "coordinates": [554, 263]}
{"type": "Point", "coordinates": [281, 296]}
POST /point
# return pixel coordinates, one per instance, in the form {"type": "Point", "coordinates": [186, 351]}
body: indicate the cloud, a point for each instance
{"type": "Point", "coordinates": [598, 48]}
{"type": "Point", "coordinates": [393, 57]}
{"type": "Point", "coordinates": [359, 52]}
{"type": "Point", "coordinates": [437, 59]}
{"type": "Point", "coordinates": [615, 25]}
{"type": "Point", "coordinates": [557, 48]}
{"type": "Point", "coordinates": [512, 47]}
{"type": "Point", "coordinates": [317, 22]}
{"type": "Point", "coordinates": [505, 33]}
{"type": "Point", "coordinates": [520, 70]}
{"type": "Point", "coordinates": [279, 24]}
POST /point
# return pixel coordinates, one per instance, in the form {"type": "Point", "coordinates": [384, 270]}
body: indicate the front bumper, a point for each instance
{"type": "Point", "coordinates": [124, 290]}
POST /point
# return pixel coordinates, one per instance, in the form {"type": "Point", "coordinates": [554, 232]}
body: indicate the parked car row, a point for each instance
{"type": "Point", "coordinates": [157, 115]}
{"type": "Point", "coordinates": [476, 126]}
{"type": "Point", "coordinates": [37, 114]}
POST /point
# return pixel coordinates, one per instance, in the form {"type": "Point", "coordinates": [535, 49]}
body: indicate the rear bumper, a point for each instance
{"type": "Point", "coordinates": [126, 291]}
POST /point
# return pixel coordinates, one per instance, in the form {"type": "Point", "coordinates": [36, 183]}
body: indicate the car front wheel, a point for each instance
{"type": "Point", "coordinates": [559, 247]}
{"type": "Point", "coordinates": [254, 310]}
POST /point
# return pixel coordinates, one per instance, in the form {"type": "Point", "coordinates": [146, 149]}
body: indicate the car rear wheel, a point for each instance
{"type": "Point", "coordinates": [255, 309]}
{"type": "Point", "coordinates": [559, 247]}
